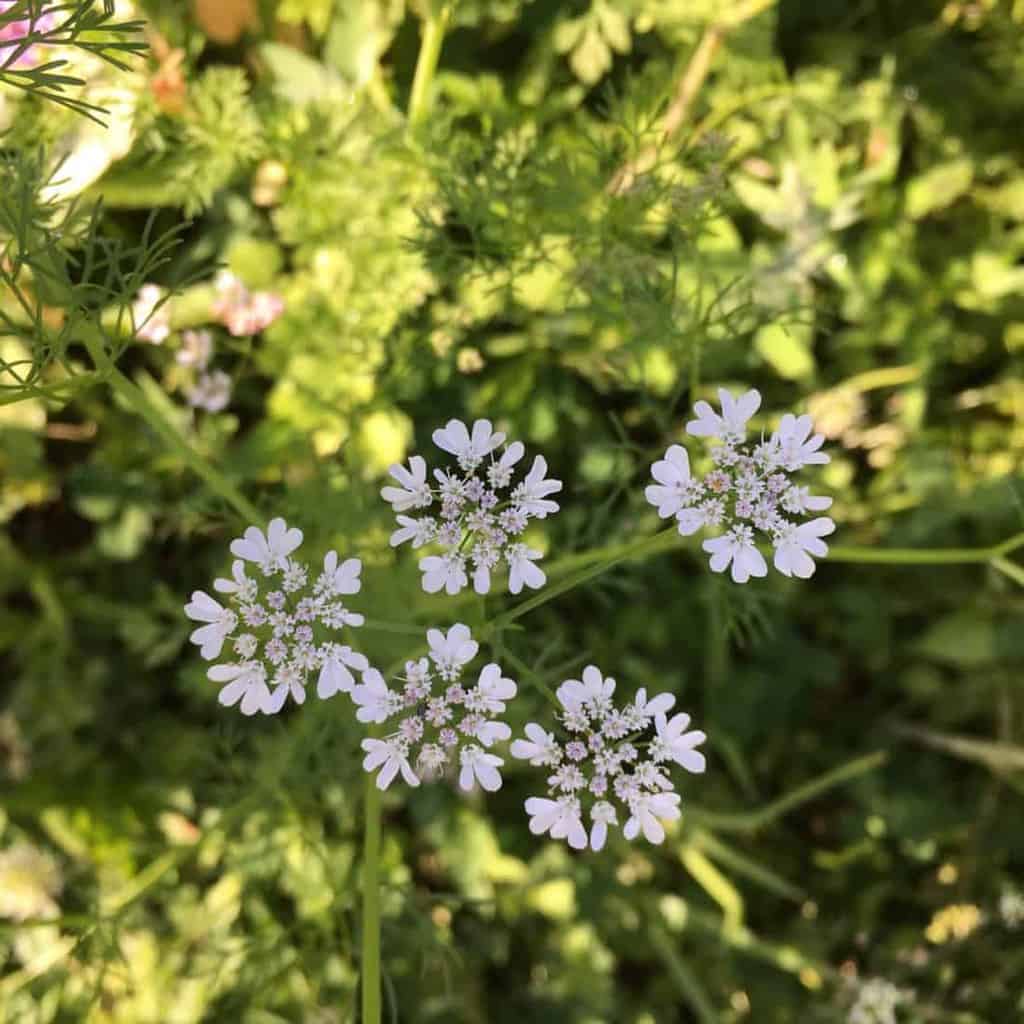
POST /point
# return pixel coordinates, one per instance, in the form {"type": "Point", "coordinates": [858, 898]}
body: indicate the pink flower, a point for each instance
{"type": "Point", "coordinates": [241, 311]}
{"type": "Point", "coordinates": [13, 32]}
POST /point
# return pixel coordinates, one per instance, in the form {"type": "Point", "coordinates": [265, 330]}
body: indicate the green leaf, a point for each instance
{"type": "Point", "coordinates": [786, 349]}
{"type": "Point", "coordinates": [964, 638]}
{"type": "Point", "coordinates": [938, 187]}
{"type": "Point", "coordinates": [299, 79]}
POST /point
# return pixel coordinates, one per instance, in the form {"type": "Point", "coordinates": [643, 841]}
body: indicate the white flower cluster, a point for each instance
{"type": "Point", "coordinates": [602, 760]}
{"type": "Point", "coordinates": [877, 1002]}
{"type": "Point", "coordinates": [276, 623]}
{"type": "Point", "coordinates": [440, 722]}
{"type": "Point", "coordinates": [474, 524]}
{"type": "Point", "coordinates": [151, 315]}
{"type": "Point", "coordinates": [748, 491]}
{"type": "Point", "coordinates": [211, 390]}
{"type": "Point", "coordinates": [1011, 907]}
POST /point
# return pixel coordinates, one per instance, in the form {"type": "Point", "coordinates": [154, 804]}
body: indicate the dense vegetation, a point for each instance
{"type": "Point", "coordinates": [574, 219]}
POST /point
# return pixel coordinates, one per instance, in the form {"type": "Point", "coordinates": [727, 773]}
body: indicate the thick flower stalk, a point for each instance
{"type": "Point", "coordinates": [749, 491]}
{"type": "Point", "coordinates": [276, 627]}
{"type": "Point", "coordinates": [603, 771]}
{"type": "Point", "coordinates": [440, 722]}
{"type": "Point", "coordinates": [474, 514]}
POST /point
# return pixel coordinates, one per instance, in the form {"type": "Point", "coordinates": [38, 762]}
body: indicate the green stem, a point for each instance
{"type": "Point", "coordinates": [755, 820]}
{"type": "Point", "coordinates": [371, 904]}
{"type": "Point", "coordinates": [606, 558]}
{"type": "Point", "coordinates": [910, 556]}
{"type": "Point", "coordinates": [137, 399]}
{"type": "Point", "coordinates": [426, 63]}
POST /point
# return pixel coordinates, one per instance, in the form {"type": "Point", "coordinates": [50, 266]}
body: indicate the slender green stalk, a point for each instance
{"type": "Point", "coordinates": [755, 820]}
{"type": "Point", "coordinates": [137, 399]}
{"type": "Point", "coordinates": [606, 558]}
{"type": "Point", "coordinates": [910, 556]}
{"type": "Point", "coordinates": [371, 904]}
{"type": "Point", "coordinates": [426, 63]}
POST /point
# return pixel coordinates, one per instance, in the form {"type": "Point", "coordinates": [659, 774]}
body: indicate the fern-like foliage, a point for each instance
{"type": "Point", "coordinates": [58, 271]}
{"type": "Point", "coordinates": [57, 30]}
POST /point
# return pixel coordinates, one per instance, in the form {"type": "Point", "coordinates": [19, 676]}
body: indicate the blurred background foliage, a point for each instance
{"type": "Point", "coordinates": [596, 212]}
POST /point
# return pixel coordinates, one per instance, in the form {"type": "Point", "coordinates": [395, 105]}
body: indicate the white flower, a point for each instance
{"type": "Point", "coordinates": [748, 490]}
{"type": "Point", "coordinates": [469, 449]}
{"type": "Point", "coordinates": [289, 680]}
{"type": "Point", "coordinates": [344, 578]}
{"type": "Point", "coordinates": [799, 501]}
{"type": "Point", "coordinates": [451, 651]}
{"type": "Point", "coordinates": [494, 689]}
{"type": "Point", "coordinates": [270, 552]}
{"type": "Point", "coordinates": [559, 817]}
{"type": "Point", "coordinates": [736, 547]}
{"type": "Point", "coordinates": [444, 716]}
{"type": "Point", "coordinates": [541, 748]}
{"type": "Point", "coordinates": [476, 525]}
{"type": "Point", "coordinates": [375, 700]}
{"type": "Point", "coordinates": [1011, 907]}
{"type": "Point", "coordinates": [877, 1002]}
{"type": "Point", "coordinates": [212, 392]}
{"type": "Point", "coordinates": [335, 676]}
{"type": "Point", "coordinates": [477, 766]}
{"type": "Point", "coordinates": [657, 705]}
{"type": "Point", "coordinates": [521, 569]}
{"type": "Point", "coordinates": [240, 585]}
{"type": "Point", "coordinates": [675, 743]}
{"type": "Point", "coordinates": [390, 757]}
{"type": "Point", "coordinates": [489, 733]}
{"type": "Point", "coordinates": [593, 691]}
{"type": "Point", "coordinates": [280, 627]}
{"type": "Point", "coordinates": [220, 621]}
{"type": "Point", "coordinates": [602, 761]}
{"type": "Point", "coordinates": [794, 548]}
{"type": "Point", "coordinates": [648, 811]}
{"type": "Point", "coordinates": [796, 447]}
{"type": "Point", "coordinates": [196, 349]}
{"type": "Point", "coordinates": [602, 814]}
{"type": "Point", "coordinates": [151, 317]}
{"type": "Point", "coordinates": [690, 520]}
{"type": "Point", "coordinates": [499, 473]}
{"type": "Point", "coordinates": [419, 531]}
{"type": "Point", "coordinates": [531, 495]}
{"type": "Point", "coordinates": [674, 488]}
{"type": "Point", "coordinates": [732, 423]}
{"type": "Point", "coordinates": [246, 682]}
{"type": "Point", "coordinates": [414, 491]}
{"type": "Point", "coordinates": [443, 572]}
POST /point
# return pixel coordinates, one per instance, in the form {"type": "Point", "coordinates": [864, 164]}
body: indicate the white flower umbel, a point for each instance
{"type": "Point", "coordinates": [604, 771]}
{"type": "Point", "coordinates": [275, 626]}
{"type": "Point", "coordinates": [748, 494]}
{"type": "Point", "coordinates": [877, 1002]}
{"type": "Point", "coordinates": [473, 512]}
{"type": "Point", "coordinates": [440, 723]}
